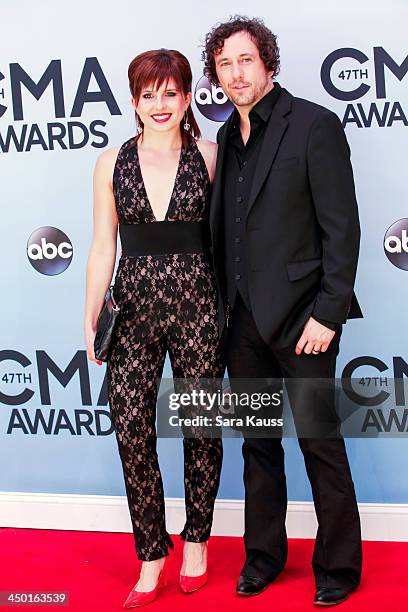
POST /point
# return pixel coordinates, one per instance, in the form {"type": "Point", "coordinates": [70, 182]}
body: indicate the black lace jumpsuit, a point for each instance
{"type": "Point", "coordinates": [168, 302]}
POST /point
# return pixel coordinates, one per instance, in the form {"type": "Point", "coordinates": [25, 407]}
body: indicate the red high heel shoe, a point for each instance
{"type": "Point", "coordinates": [189, 584]}
{"type": "Point", "coordinates": [141, 598]}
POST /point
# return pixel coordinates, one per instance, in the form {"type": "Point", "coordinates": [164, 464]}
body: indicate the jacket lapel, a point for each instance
{"type": "Point", "coordinates": [275, 130]}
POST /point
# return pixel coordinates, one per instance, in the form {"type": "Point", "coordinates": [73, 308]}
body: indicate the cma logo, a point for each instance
{"type": "Point", "coordinates": [52, 77]}
{"type": "Point", "coordinates": [400, 373]}
{"type": "Point", "coordinates": [56, 134]}
{"type": "Point", "coordinates": [396, 244]}
{"type": "Point", "coordinates": [344, 75]}
{"type": "Point", "coordinates": [49, 251]}
{"type": "Point", "coordinates": [211, 101]}
{"type": "Point", "coordinates": [17, 388]}
{"type": "Point", "coordinates": [357, 58]}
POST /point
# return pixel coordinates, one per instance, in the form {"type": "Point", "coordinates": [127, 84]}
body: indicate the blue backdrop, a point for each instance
{"type": "Point", "coordinates": [63, 99]}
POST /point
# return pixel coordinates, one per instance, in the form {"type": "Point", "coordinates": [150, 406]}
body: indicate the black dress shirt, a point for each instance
{"type": "Point", "coordinates": [240, 163]}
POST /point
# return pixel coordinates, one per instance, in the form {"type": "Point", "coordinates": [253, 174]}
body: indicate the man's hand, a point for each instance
{"type": "Point", "coordinates": [315, 338]}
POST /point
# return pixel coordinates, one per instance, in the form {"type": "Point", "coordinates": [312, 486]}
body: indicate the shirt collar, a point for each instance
{"type": "Point", "coordinates": [264, 106]}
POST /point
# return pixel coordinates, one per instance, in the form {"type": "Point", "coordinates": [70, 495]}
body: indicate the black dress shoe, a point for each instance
{"type": "Point", "coordinates": [326, 596]}
{"type": "Point", "coordinates": [252, 585]}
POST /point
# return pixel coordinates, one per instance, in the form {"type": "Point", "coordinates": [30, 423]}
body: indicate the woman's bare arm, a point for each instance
{"type": "Point", "coordinates": [102, 253]}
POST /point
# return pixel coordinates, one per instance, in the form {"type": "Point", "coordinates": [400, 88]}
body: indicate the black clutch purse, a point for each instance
{"type": "Point", "coordinates": [105, 326]}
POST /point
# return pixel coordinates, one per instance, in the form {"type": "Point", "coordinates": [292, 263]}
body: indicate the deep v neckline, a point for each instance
{"type": "Point", "coordinates": [172, 193]}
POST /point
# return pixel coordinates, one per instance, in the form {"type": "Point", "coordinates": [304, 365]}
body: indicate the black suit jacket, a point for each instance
{"type": "Point", "coordinates": [301, 223]}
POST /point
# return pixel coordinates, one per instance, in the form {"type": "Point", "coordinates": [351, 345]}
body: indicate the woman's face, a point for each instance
{"type": "Point", "coordinates": [162, 109]}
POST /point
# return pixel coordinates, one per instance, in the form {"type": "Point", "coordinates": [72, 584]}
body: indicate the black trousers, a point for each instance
{"type": "Point", "coordinates": [337, 555]}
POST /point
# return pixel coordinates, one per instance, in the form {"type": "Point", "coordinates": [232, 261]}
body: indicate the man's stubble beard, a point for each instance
{"type": "Point", "coordinates": [248, 99]}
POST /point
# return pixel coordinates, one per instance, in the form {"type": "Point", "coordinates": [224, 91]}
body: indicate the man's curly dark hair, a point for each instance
{"type": "Point", "coordinates": [264, 39]}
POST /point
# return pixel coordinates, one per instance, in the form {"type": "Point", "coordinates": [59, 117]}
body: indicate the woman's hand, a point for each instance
{"type": "Point", "coordinates": [90, 333]}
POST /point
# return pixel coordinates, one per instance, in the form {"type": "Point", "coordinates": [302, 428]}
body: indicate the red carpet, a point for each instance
{"type": "Point", "coordinates": [98, 570]}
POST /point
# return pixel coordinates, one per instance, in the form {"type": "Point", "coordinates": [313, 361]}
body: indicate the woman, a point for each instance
{"type": "Point", "coordinates": [156, 188]}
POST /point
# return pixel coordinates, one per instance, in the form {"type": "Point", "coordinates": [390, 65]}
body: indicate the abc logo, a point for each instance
{"type": "Point", "coordinates": [211, 101]}
{"type": "Point", "coordinates": [49, 251]}
{"type": "Point", "coordinates": [396, 244]}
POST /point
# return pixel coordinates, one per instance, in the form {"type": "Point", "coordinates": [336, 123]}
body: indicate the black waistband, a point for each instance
{"type": "Point", "coordinates": [164, 237]}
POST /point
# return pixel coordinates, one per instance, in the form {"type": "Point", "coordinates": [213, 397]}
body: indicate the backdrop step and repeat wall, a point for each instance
{"type": "Point", "coordinates": [64, 98]}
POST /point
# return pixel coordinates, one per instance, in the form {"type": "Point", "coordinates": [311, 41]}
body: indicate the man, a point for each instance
{"type": "Point", "coordinates": [285, 240]}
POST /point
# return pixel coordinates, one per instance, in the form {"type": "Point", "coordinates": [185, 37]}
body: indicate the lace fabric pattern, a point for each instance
{"type": "Point", "coordinates": [168, 304]}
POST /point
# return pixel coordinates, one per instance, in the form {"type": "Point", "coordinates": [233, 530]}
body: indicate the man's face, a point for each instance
{"type": "Point", "coordinates": [241, 72]}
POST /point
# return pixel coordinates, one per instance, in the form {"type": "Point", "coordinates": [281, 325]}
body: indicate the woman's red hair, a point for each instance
{"type": "Point", "coordinates": [153, 68]}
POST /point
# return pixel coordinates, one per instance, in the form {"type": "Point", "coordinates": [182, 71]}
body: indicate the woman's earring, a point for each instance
{"type": "Point", "coordinates": [139, 128]}
{"type": "Point", "coordinates": [186, 125]}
